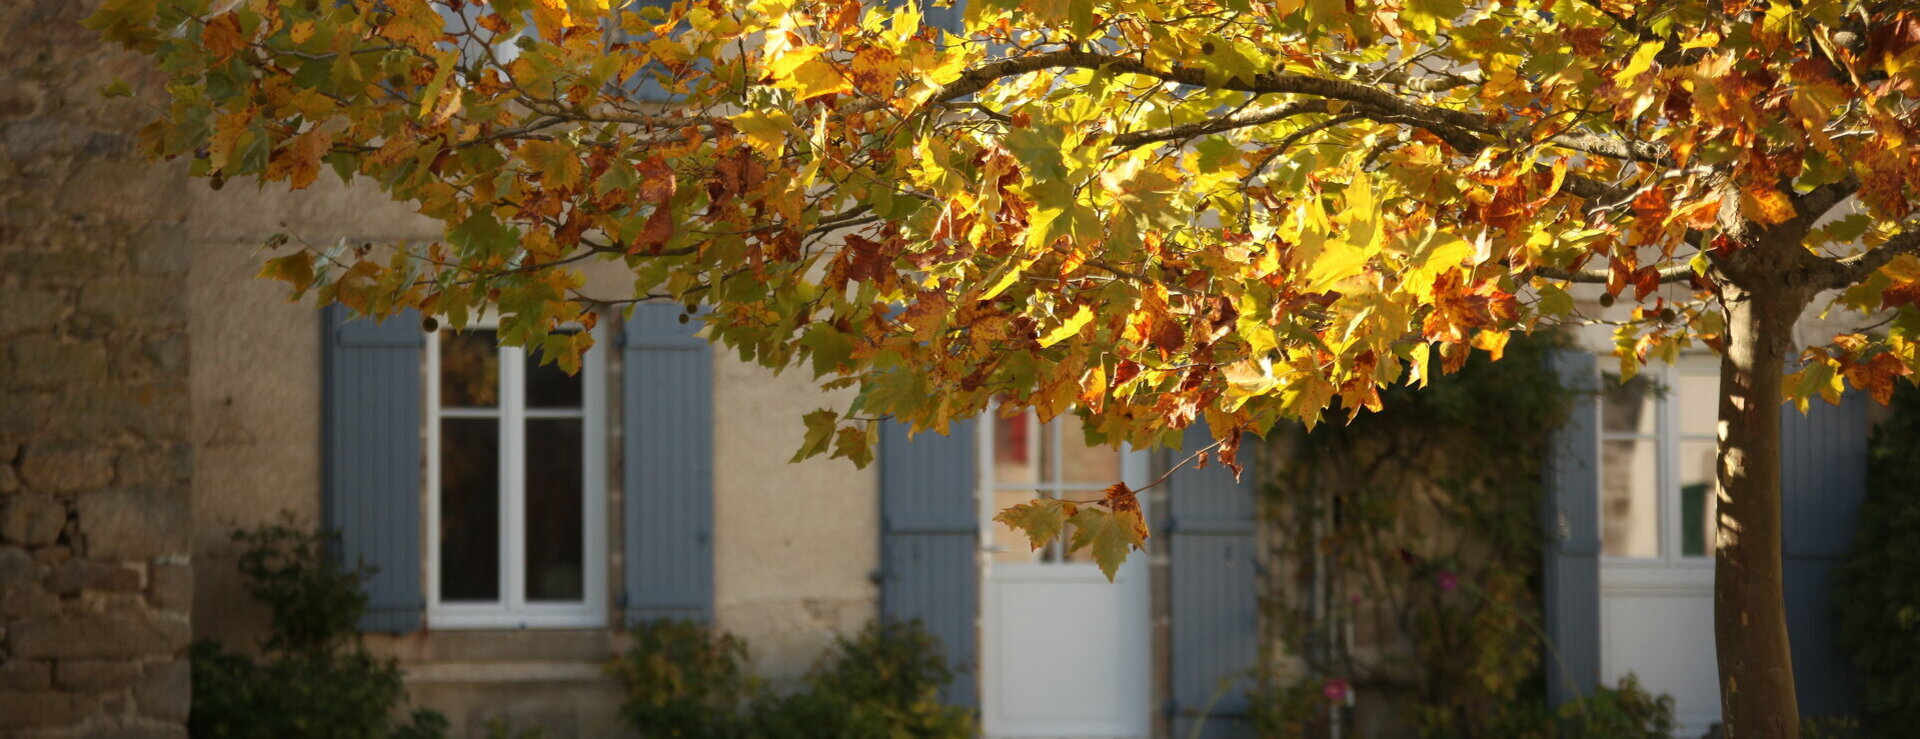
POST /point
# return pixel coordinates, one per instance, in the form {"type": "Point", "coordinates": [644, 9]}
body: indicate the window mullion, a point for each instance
{"type": "Point", "coordinates": [1669, 456]}
{"type": "Point", "coordinates": [512, 478]}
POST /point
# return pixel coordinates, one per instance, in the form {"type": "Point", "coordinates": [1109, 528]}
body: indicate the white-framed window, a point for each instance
{"type": "Point", "coordinates": [516, 486]}
{"type": "Point", "coordinates": [1657, 446]}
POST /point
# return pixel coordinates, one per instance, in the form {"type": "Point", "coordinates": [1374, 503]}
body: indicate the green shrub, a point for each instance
{"type": "Point", "coordinates": [1876, 586]}
{"type": "Point", "coordinates": [883, 683]}
{"type": "Point", "coordinates": [684, 680]}
{"type": "Point", "coordinates": [1624, 712]}
{"type": "Point", "coordinates": [313, 679]}
{"type": "Point", "coordinates": [687, 681]}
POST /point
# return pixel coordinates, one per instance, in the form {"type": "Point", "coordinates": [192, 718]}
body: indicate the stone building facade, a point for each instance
{"type": "Point", "coordinates": [96, 576]}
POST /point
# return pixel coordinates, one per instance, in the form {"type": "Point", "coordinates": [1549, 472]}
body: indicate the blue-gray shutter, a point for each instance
{"type": "Point", "coordinates": [1571, 517]}
{"type": "Point", "coordinates": [667, 398]}
{"type": "Point", "coordinates": [1823, 477]}
{"type": "Point", "coordinates": [929, 530]}
{"type": "Point", "coordinates": [371, 477]}
{"type": "Point", "coordinates": [1212, 597]}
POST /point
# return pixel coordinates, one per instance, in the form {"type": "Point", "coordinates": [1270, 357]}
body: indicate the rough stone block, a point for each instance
{"type": "Point", "coordinates": [30, 520]}
{"type": "Point", "coordinates": [94, 675]}
{"type": "Point", "coordinates": [38, 709]}
{"type": "Point", "coordinates": [76, 575]}
{"type": "Point", "coordinates": [95, 636]}
{"type": "Point", "coordinates": [23, 414]}
{"type": "Point", "coordinates": [9, 480]}
{"type": "Point", "coordinates": [19, 675]}
{"type": "Point", "coordinates": [44, 360]}
{"type": "Point", "coordinates": [25, 309]}
{"type": "Point", "coordinates": [171, 587]}
{"type": "Point", "coordinates": [58, 468]}
{"type": "Point", "coordinates": [9, 452]}
{"type": "Point", "coordinates": [161, 249]}
{"type": "Point", "coordinates": [136, 301]}
{"type": "Point", "coordinates": [134, 523]}
{"type": "Point", "coordinates": [165, 691]}
{"type": "Point", "coordinates": [17, 568]}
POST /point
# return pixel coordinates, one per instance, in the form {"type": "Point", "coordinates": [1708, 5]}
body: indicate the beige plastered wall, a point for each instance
{"type": "Point", "coordinates": [795, 545]}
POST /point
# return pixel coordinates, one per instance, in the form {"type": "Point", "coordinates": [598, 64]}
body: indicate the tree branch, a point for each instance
{"type": "Point", "coordinates": [1282, 83]}
{"type": "Point", "coordinates": [1839, 273]}
{"type": "Point", "coordinates": [1241, 119]}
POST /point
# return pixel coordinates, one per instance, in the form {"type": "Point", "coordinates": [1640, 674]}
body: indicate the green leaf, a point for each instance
{"type": "Point", "coordinates": [1110, 534]}
{"type": "Point", "coordinates": [1042, 520]}
{"type": "Point", "coordinates": [820, 428]}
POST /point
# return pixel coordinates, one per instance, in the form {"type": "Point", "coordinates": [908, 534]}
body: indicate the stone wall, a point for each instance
{"type": "Point", "coordinates": [96, 581]}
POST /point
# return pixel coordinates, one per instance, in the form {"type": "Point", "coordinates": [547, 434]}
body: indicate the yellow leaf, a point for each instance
{"type": "Point", "coordinates": [1641, 62]}
{"type": "Point", "coordinates": [1338, 262]}
{"type": "Point", "coordinates": [766, 132]}
{"type": "Point", "coordinates": [807, 75]}
{"type": "Point", "coordinates": [1069, 329]}
{"type": "Point", "coordinates": [1767, 205]}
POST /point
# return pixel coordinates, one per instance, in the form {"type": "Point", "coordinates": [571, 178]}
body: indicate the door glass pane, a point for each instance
{"type": "Point", "coordinates": [1629, 499]}
{"type": "Point", "coordinates": [1628, 408]}
{"type": "Point", "coordinates": [469, 369]}
{"type": "Point", "coordinates": [1016, 450]}
{"type": "Point", "coordinates": [1082, 465]}
{"type": "Point", "coordinates": [554, 511]}
{"type": "Point", "coordinates": [550, 387]}
{"type": "Point", "coordinates": [1697, 497]}
{"type": "Point", "coordinates": [1697, 402]}
{"type": "Point", "coordinates": [470, 509]}
{"type": "Point", "coordinates": [1010, 544]}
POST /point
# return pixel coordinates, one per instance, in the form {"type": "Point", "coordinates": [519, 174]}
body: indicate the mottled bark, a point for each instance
{"type": "Point", "coordinates": [1750, 622]}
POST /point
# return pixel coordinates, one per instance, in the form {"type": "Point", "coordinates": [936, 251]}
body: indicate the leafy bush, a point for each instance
{"type": "Point", "coordinates": [684, 680]}
{"type": "Point", "coordinates": [687, 681]}
{"type": "Point", "coordinates": [1624, 712]}
{"type": "Point", "coordinates": [313, 678]}
{"type": "Point", "coordinates": [883, 683]}
{"type": "Point", "coordinates": [1876, 586]}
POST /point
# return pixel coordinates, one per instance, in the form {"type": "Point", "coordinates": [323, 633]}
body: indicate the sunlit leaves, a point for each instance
{"type": "Point", "coordinates": [1108, 529]}
{"type": "Point", "coordinates": [1139, 214]}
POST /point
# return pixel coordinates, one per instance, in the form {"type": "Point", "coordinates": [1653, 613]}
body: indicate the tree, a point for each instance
{"type": "Point", "coordinates": [1143, 213]}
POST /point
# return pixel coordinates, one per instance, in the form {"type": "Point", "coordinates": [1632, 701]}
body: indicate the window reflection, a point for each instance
{"type": "Point", "coordinates": [469, 509]}
{"type": "Point", "coordinates": [469, 369]}
{"type": "Point", "coordinates": [1629, 499]}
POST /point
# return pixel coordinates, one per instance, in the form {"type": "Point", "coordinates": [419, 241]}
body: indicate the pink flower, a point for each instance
{"type": "Point", "coordinates": [1447, 581]}
{"type": "Point", "coordinates": [1335, 690]}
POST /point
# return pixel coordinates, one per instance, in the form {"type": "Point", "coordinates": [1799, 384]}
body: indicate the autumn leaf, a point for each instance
{"type": "Point", "coordinates": [820, 428]}
{"type": "Point", "coordinates": [1068, 328]}
{"type": "Point", "coordinates": [1108, 534]}
{"type": "Point", "coordinates": [1041, 519]}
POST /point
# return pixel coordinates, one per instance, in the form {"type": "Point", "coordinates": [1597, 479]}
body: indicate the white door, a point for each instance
{"type": "Point", "coordinates": [1064, 652]}
{"type": "Point", "coordinates": [1656, 531]}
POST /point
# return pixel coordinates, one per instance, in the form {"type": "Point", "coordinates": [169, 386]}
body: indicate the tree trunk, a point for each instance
{"type": "Point", "coordinates": [1750, 620]}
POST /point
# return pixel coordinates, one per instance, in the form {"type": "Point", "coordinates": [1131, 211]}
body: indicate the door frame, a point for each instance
{"type": "Point", "coordinates": [1136, 468]}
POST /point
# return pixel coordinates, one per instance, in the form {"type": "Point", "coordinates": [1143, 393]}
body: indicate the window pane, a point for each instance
{"type": "Point", "coordinates": [554, 510]}
{"type": "Point", "coordinates": [1697, 401]}
{"type": "Point", "coordinates": [1097, 466]}
{"type": "Point", "coordinates": [469, 509]}
{"type": "Point", "coordinates": [550, 387]}
{"type": "Point", "coordinates": [1629, 499]}
{"type": "Point", "coordinates": [1697, 497]}
{"type": "Point", "coordinates": [1016, 449]}
{"type": "Point", "coordinates": [469, 369]}
{"type": "Point", "coordinates": [1628, 407]}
